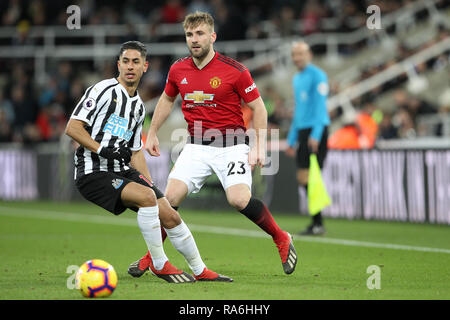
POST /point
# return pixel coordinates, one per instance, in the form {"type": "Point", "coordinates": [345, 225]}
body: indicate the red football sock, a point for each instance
{"type": "Point", "coordinates": [163, 234]}
{"type": "Point", "coordinates": [258, 212]}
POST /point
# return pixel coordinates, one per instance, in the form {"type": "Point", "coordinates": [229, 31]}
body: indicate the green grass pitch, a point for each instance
{"type": "Point", "coordinates": [39, 241]}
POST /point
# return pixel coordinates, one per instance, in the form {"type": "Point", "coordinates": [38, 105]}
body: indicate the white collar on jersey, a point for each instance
{"type": "Point", "coordinates": [136, 95]}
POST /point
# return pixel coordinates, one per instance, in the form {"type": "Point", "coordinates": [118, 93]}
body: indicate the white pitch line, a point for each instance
{"type": "Point", "coordinates": [76, 217]}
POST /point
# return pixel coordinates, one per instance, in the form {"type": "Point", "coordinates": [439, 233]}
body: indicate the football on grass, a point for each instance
{"type": "Point", "coordinates": [96, 279]}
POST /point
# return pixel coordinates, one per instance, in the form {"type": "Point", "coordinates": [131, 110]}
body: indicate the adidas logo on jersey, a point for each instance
{"type": "Point", "coordinates": [184, 81]}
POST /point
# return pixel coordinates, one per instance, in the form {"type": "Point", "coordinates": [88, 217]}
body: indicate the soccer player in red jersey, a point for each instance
{"type": "Point", "coordinates": [212, 86]}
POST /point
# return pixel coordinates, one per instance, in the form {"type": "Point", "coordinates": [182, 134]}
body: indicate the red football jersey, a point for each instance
{"type": "Point", "coordinates": [213, 94]}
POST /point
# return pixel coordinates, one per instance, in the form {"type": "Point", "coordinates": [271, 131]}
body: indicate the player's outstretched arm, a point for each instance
{"type": "Point", "coordinates": [138, 162]}
{"type": "Point", "coordinates": [75, 129]}
{"type": "Point", "coordinates": [162, 111]}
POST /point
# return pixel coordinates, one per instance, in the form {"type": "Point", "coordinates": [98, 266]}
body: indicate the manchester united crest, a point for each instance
{"type": "Point", "coordinates": [215, 82]}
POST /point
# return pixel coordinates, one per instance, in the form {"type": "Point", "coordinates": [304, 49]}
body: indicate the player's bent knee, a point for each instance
{"type": "Point", "coordinates": [175, 192]}
{"type": "Point", "coordinates": [238, 202]}
{"type": "Point", "coordinates": [149, 199]}
{"type": "Point", "coordinates": [137, 195]}
{"type": "Point", "coordinates": [174, 198]}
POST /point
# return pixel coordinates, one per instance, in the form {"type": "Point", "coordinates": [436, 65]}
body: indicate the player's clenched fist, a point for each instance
{"type": "Point", "coordinates": [152, 145]}
{"type": "Point", "coordinates": [115, 153]}
{"type": "Point", "coordinates": [256, 157]}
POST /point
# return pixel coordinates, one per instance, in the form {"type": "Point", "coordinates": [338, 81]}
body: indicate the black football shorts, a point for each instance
{"type": "Point", "coordinates": [104, 188]}
{"type": "Point", "coordinates": [303, 151]}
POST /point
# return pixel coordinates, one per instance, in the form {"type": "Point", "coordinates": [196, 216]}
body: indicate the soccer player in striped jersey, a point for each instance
{"type": "Point", "coordinates": [212, 87]}
{"type": "Point", "coordinates": [110, 168]}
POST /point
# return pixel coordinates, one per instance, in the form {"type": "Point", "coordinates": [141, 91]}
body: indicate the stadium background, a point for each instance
{"type": "Point", "coordinates": [389, 92]}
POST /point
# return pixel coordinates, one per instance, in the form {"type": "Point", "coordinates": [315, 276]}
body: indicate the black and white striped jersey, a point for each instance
{"type": "Point", "coordinates": [113, 119]}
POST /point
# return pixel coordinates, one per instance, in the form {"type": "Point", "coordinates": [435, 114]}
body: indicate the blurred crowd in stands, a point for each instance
{"type": "Point", "coordinates": [30, 113]}
{"type": "Point", "coordinates": [403, 119]}
{"type": "Point", "coordinates": [235, 19]}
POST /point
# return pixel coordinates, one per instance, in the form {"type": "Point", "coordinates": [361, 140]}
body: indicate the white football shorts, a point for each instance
{"type": "Point", "coordinates": [197, 162]}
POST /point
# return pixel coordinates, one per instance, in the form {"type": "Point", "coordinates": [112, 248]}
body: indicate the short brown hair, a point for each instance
{"type": "Point", "coordinates": [193, 20]}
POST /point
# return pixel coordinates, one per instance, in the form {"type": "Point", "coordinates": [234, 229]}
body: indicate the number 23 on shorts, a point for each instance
{"type": "Point", "coordinates": [233, 169]}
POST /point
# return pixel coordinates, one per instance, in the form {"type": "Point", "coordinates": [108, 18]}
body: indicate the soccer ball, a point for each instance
{"type": "Point", "coordinates": [96, 279]}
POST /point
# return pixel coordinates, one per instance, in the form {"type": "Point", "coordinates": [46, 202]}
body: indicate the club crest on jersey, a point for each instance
{"type": "Point", "coordinates": [116, 183]}
{"type": "Point", "coordinates": [198, 97]}
{"type": "Point", "coordinates": [89, 104]}
{"type": "Point", "coordinates": [215, 82]}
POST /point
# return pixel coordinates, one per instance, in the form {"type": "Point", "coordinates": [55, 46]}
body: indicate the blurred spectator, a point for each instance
{"type": "Point", "coordinates": [28, 135]}
{"type": "Point", "coordinates": [5, 127]}
{"type": "Point", "coordinates": [418, 107]}
{"type": "Point", "coordinates": [51, 122]}
{"type": "Point", "coordinates": [76, 91]}
{"type": "Point", "coordinates": [37, 12]}
{"type": "Point", "coordinates": [154, 80]}
{"type": "Point", "coordinates": [6, 108]}
{"type": "Point", "coordinates": [345, 138]}
{"type": "Point", "coordinates": [64, 77]}
{"type": "Point", "coordinates": [358, 132]}
{"type": "Point", "coordinates": [230, 23]}
{"type": "Point", "coordinates": [312, 13]}
{"type": "Point", "coordinates": [401, 99]}
{"type": "Point", "coordinates": [22, 34]}
{"type": "Point", "coordinates": [48, 92]}
{"type": "Point", "coordinates": [24, 108]}
{"type": "Point", "coordinates": [287, 21]}
{"type": "Point", "coordinates": [387, 130]}
{"type": "Point", "coordinates": [246, 19]}
{"type": "Point", "coordinates": [12, 13]}
{"type": "Point", "coordinates": [444, 113]}
{"type": "Point", "coordinates": [278, 117]}
{"type": "Point", "coordinates": [405, 124]}
{"type": "Point", "coordinates": [173, 11]}
{"type": "Point", "coordinates": [19, 77]}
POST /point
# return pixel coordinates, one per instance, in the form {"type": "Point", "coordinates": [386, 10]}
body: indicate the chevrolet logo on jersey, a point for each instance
{"type": "Point", "coordinates": [199, 96]}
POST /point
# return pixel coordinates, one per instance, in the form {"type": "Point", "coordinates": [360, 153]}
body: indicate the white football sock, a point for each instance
{"type": "Point", "coordinates": [182, 239]}
{"type": "Point", "coordinates": [148, 222]}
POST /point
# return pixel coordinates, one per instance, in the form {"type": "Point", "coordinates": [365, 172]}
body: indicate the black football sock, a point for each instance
{"type": "Point", "coordinates": [259, 214]}
{"type": "Point", "coordinates": [305, 186]}
{"type": "Point", "coordinates": [317, 219]}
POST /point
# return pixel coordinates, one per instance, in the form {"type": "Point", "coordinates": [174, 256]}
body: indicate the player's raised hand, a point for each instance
{"type": "Point", "coordinates": [290, 152]}
{"type": "Point", "coordinates": [152, 145]}
{"type": "Point", "coordinates": [313, 144]}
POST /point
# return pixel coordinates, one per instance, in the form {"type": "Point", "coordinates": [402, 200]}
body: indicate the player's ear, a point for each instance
{"type": "Point", "coordinates": [146, 65]}
{"type": "Point", "coordinates": [213, 37]}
